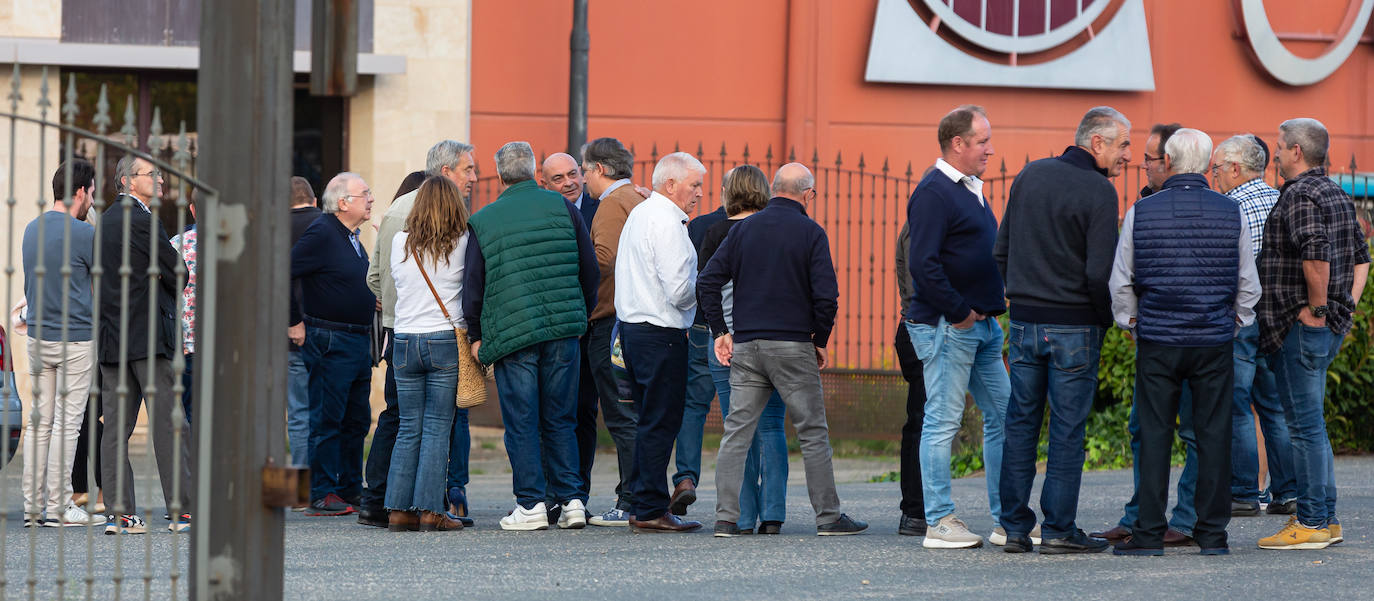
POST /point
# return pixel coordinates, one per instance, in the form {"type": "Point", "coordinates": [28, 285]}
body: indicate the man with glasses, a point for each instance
{"type": "Point", "coordinates": [331, 266]}
{"type": "Point", "coordinates": [1181, 524]}
{"type": "Point", "coordinates": [124, 301]}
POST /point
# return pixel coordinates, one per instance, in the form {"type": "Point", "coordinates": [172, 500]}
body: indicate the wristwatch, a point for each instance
{"type": "Point", "coordinates": [1318, 311]}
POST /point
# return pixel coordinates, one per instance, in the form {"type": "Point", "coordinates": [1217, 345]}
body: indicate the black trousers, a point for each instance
{"type": "Point", "coordinates": [656, 359]}
{"type": "Point", "coordinates": [621, 418]}
{"type": "Point", "coordinates": [585, 431]}
{"type": "Point", "coordinates": [86, 441]}
{"type": "Point", "coordinates": [1160, 374]}
{"type": "Point", "coordinates": [913, 499]}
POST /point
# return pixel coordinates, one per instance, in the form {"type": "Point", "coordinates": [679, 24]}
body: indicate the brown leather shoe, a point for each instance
{"type": "Point", "coordinates": [665, 523]}
{"type": "Point", "coordinates": [1118, 533]}
{"type": "Point", "coordinates": [1174, 538]}
{"type": "Point", "coordinates": [684, 494]}
{"type": "Point", "coordinates": [430, 522]}
{"type": "Point", "coordinates": [403, 521]}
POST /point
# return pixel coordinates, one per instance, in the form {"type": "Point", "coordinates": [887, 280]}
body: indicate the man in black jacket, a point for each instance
{"type": "Point", "coordinates": [785, 303]}
{"type": "Point", "coordinates": [136, 355]}
{"type": "Point", "coordinates": [1055, 250]}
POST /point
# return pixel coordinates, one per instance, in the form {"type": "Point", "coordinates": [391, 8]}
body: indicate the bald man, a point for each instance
{"type": "Point", "coordinates": [561, 173]}
{"type": "Point", "coordinates": [785, 298]}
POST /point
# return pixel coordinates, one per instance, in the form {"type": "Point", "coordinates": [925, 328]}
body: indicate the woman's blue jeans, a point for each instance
{"type": "Point", "coordinates": [764, 494]}
{"type": "Point", "coordinates": [426, 386]}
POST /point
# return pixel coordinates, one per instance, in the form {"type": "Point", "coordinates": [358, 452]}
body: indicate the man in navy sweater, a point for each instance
{"type": "Point", "coordinates": [951, 318]}
{"type": "Point", "coordinates": [331, 266]}
{"type": "Point", "coordinates": [785, 303]}
{"type": "Point", "coordinates": [1055, 250]}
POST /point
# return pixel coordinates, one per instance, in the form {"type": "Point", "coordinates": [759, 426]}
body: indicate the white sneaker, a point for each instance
{"type": "Point", "coordinates": [75, 516]}
{"type": "Point", "coordinates": [999, 536]}
{"type": "Point", "coordinates": [573, 516]}
{"type": "Point", "coordinates": [950, 533]}
{"type": "Point", "coordinates": [613, 518]}
{"type": "Point", "coordinates": [534, 518]}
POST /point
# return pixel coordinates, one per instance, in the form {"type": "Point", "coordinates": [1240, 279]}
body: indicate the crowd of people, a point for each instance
{"type": "Point", "coordinates": [582, 293]}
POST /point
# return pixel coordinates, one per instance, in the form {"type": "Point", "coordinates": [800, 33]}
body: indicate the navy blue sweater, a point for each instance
{"type": "Point", "coordinates": [696, 231]}
{"type": "Point", "coordinates": [785, 286]}
{"type": "Point", "coordinates": [951, 261]}
{"type": "Point", "coordinates": [332, 275]}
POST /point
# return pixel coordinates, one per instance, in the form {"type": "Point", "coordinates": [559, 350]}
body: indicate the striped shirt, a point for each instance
{"type": "Point", "coordinates": [1255, 199]}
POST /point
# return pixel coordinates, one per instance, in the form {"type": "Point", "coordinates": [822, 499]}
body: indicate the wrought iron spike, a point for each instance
{"type": "Point", "coordinates": [155, 141]}
{"type": "Point", "coordinates": [792, 155]}
{"type": "Point", "coordinates": [767, 156]}
{"type": "Point", "coordinates": [746, 152]}
{"type": "Point", "coordinates": [102, 112]}
{"type": "Point", "coordinates": [815, 156]}
{"type": "Point", "coordinates": [861, 162]}
{"type": "Point", "coordinates": [653, 152]}
{"type": "Point", "coordinates": [15, 96]}
{"type": "Point", "coordinates": [1004, 166]}
{"type": "Point", "coordinates": [181, 149]}
{"type": "Point", "coordinates": [838, 160]}
{"type": "Point", "coordinates": [70, 109]}
{"type": "Point", "coordinates": [129, 131]}
{"type": "Point", "coordinates": [909, 173]}
{"type": "Point", "coordinates": [1027, 159]}
{"type": "Point", "coordinates": [1352, 163]}
{"type": "Point", "coordinates": [43, 101]}
{"type": "Point", "coordinates": [722, 152]}
{"type": "Point", "coordinates": [884, 166]}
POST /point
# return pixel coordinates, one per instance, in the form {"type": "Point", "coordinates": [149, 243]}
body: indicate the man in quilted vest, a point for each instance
{"type": "Point", "coordinates": [1183, 280]}
{"type": "Point", "coordinates": [530, 281]}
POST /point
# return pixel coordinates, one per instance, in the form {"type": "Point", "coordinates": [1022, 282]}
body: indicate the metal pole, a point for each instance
{"type": "Point", "coordinates": [245, 123]}
{"type": "Point", "coordinates": [577, 80]}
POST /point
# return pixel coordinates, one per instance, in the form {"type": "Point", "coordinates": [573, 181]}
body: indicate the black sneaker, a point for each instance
{"type": "Point", "coordinates": [911, 526]}
{"type": "Point", "coordinates": [726, 529]}
{"type": "Point", "coordinates": [329, 506]}
{"type": "Point", "coordinates": [1017, 543]}
{"type": "Point", "coordinates": [1129, 547]}
{"type": "Point", "coordinates": [1078, 542]}
{"type": "Point", "coordinates": [377, 516]}
{"type": "Point", "coordinates": [1288, 507]}
{"type": "Point", "coordinates": [770, 527]}
{"type": "Point", "coordinates": [1244, 509]}
{"type": "Point", "coordinates": [844, 525]}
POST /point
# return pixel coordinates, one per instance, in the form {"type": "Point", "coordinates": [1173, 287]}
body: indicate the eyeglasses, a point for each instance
{"type": "Point", "coordinates": [1149, 159]}
{"type": "Point", "coordinates": [1216, 169]}
{"type": "Point", "coordinates": [366, 194]}
{"type": "Point", "coordinates": [154, 173]}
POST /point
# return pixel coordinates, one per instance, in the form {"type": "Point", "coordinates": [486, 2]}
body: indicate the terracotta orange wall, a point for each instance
{"type": "Point", "coordinates": [790, 73]}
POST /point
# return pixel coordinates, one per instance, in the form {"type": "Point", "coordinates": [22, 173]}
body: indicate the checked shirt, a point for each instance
{"type": "Point", "coordinates": [1255, 199]}
{"type": "Point", "coordinates": [1314, 220]}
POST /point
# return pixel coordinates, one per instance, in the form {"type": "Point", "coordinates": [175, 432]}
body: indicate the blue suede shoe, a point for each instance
{"type": "Point", "coordinates": [458, 505]}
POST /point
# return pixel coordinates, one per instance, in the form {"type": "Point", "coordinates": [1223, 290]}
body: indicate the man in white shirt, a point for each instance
{"type": "Point", "coordinates": [655, 300]}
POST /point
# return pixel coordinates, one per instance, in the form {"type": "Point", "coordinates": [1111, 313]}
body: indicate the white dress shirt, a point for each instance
{"type": "Point", "coordinates": [416, 311]}
{"type": "Point", "coordinates": [656, 268]}
{"type": "Point", "coordinates": [1122, 282]}
{"type": "Point", "coordinates": [973, 184]}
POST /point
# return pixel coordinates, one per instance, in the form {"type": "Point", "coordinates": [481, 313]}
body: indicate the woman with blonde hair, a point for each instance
{"type": "Point", "coordinates": [427, 266]}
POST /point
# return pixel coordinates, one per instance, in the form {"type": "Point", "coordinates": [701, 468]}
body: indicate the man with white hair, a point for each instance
{"type": "Point", "coordinates": [1315, 263]}
{"type": "Point", "coordinates": [655, 301]}
{"type": "Point", "coordinates": [1183, 278]}
{"type": "Point", "coordinates": [533, 249]}
{"type": "Point", "coordinates": [1055, 249]}
{"type": "Point", "coordinates": [453, 160]}
{"type": "Point", "coordinates": [331, 266]}
{"type": "Point", "coordinates": [1238, 172]}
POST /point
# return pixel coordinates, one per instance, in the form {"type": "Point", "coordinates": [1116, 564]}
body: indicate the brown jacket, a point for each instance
{"type": "Point", "coordinates": [606, 226]}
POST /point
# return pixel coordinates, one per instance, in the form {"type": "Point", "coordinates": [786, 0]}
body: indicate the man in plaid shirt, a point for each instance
{"type": "Point", "coordinates": [1238, 172]}
{"type": "Point", "coordinates": [1313, 268]}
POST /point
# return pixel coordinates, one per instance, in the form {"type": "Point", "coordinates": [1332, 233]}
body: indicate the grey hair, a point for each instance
{"type": "Point", "coordinates": [124, 169]}
{"type": "Point", "coordinates": [445, 154]}
{"type": "Point", "coordinates": [1310, 135]}
{"type": "Point", "coordinates": [1242, 150]}
{"type": "Point", "coordinates": [792, 186]}
{"type": "Point", "coordinates": [675, 166]}
{"type": "Point", "coordinates": [336, 190]}
{"type": "Point", "coordinates": [1189, 151]}
{"type": "Point", "coordinates": [515, 162]}
{"type": "Point", "coordinates": [611, 155]}
{"type": "Point", "coordinates": [1100, 121]}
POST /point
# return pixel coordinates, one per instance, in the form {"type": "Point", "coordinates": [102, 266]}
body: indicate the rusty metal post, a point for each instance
{"type": "Point", "coordinates": [334, 48]}
{"type": "Point", "coordinates": [580, 46]}
{"type": "Point", "coordinates": [245, 107]}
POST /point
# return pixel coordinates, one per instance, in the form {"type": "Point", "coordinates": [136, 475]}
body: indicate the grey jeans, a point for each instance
{"type": "Point", "coordinates": [119, 495]}
{"type": "Point", "coordinates": [757, 368]}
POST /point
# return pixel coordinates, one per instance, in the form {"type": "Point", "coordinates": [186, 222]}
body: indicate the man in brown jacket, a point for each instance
{"type": "Point", "coordinates": [607, 166]}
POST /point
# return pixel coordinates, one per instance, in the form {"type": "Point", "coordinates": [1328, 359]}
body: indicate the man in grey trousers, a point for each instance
{"type": "Point", "coordinates": [784, 308]}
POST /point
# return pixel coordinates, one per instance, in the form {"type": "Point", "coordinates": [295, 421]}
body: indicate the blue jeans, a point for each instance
{"type": "Point", "coordinates": [298, 408]}
{"type": "Point", "coordinates": [954, 362]}
{"type": "Point", "coordinates": [340, 364]}
{"type": "Point", "coordinates": [656, 359]}
{"type": "Point", "coordinates": [1255, 386]}
{"type": "Point", "coordinates": [537, 386]}
{"type": "Point", "coordinates": [1054, 365]}
{"type": "Point", "coordinates": [1185, 511]}
{"type": "Point", "coordinates": [700, 391]}
{"type": "Point", "coordinates": [763, 496]}
{"type": "Point", "coordinates": [426, 384]}
{"type": "Point", "coordinates": [459, 449]}
{"type": "Point", "coordinates": [1300, 374]}
{"type": "Point", "coordinates": [378, 465]}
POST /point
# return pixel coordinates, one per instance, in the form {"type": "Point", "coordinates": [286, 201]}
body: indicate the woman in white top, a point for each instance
{"type": "Point", "coordinates": [425, 355]}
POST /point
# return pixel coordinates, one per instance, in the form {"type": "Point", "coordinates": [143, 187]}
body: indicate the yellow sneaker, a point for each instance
{"type": "Point", "coordinates": [1335, 530]}
{"type": "Point", "coordinates": [1297, 536]}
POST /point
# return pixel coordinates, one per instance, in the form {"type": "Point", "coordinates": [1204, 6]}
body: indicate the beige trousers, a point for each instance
{"type": "Point", "coordinates": [63, 377]}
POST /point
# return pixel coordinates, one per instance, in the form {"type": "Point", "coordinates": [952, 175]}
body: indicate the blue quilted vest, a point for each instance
{"type": "Point", "coordinates": [1186, 264]}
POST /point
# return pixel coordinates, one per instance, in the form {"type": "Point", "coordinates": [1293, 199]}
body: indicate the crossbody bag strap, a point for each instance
{"type": "Point", "coordinates": [421, 264]}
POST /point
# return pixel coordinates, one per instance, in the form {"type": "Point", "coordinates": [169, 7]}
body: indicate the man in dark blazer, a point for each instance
{"type": "Point", "coordinates": [132, 350]}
